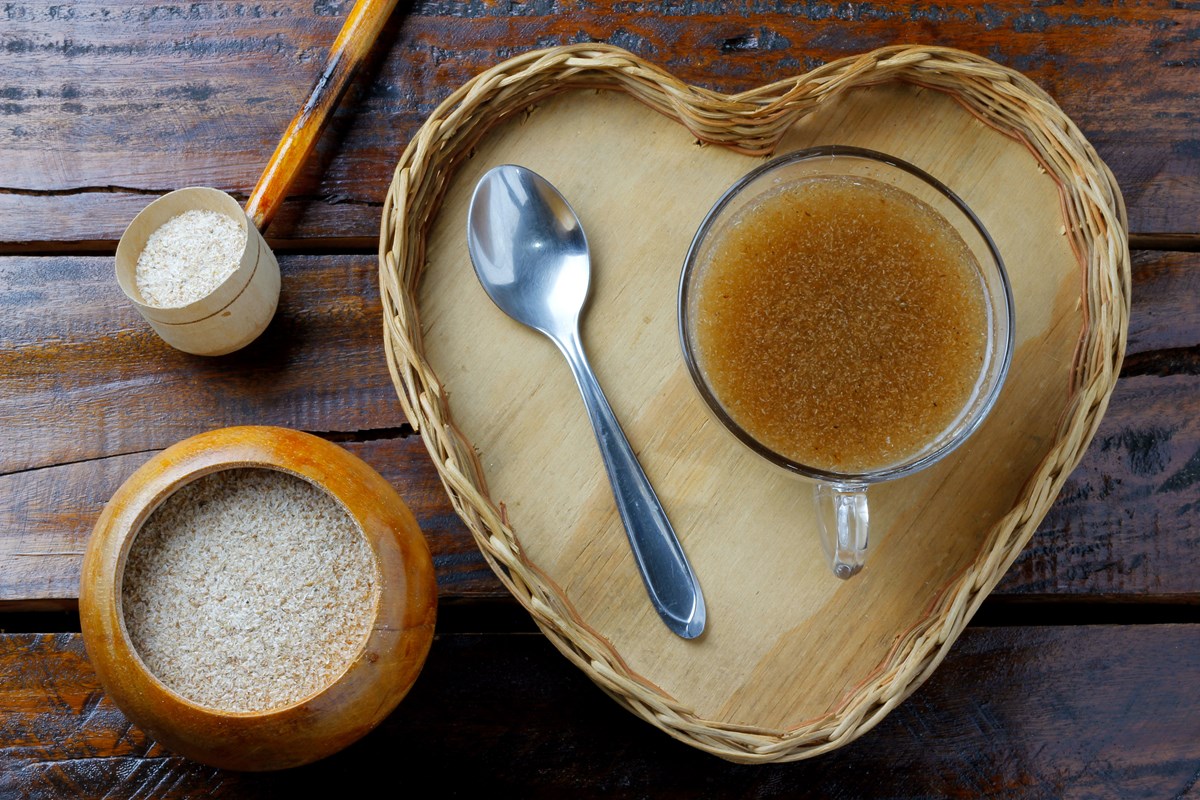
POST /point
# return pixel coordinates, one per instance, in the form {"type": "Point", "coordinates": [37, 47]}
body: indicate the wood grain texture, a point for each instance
{"type": "Point", "coordinates": [741, 520]}
{"type": "Point", "coordinates": [1030, 713]}
{"type": "Point", "coordinates": [1128, 516]}
{"type": "Point", "coordinates": [46, 516]}
{"type": "Point", "coordinates": [1165, 310]}
{"type": "Point", "coordinates": [354, 41]}
{"type": "Point", "coordinates": [1124, 524]}
{"type": "Point", "coordinates": [83, 376]}
{"type": "Point", "coordinates": [199, 94]}
{"type": "Point", "coordinates": [1127, 521]}
{"type": "Point", "coordinates": [105, 105]}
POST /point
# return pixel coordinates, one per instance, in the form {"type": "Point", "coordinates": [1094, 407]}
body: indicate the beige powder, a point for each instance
{"type": "Point", "coordinates": [249, 589]}
{"type": "Point", "coordinates": [188, 257]}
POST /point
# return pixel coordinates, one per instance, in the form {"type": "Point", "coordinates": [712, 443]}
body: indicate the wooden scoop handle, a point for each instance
{"type": "Point", "coordinates": [353, 42]}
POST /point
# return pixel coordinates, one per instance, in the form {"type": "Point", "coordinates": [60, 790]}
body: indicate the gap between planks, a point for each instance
{"type": "Point", "coordinates": [366, 435]}
{"type": "Point", "coordinates": [369, 245]}
{"type": "Point", "coordinates": [500, 614]}
{"type": "Point", "coordinates": [1168, 361]}
{"type": "Point", "coordinates": [106, 248]}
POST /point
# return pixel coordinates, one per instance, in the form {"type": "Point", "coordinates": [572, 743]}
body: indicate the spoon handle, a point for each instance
{"type": "Point", "coordinates": [668, 576]}
{"type": "Point", "coordinates": [363, 24]}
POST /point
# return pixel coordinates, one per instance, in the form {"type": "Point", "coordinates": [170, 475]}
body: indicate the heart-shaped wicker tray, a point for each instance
{"type": "Point", "coordinates": [794, 662]}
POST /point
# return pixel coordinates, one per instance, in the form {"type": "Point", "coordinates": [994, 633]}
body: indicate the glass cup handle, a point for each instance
{"type": "Point", "coordinates": [842, 512]}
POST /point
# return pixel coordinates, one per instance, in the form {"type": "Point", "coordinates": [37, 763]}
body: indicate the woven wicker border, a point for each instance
{"type": "Point", "coordinates": [754, 122]}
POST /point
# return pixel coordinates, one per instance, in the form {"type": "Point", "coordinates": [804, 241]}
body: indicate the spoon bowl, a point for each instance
{"type": "Point", "coordinates": [539, 273]}
{"type": "Point", "coordinates": [531, 256]}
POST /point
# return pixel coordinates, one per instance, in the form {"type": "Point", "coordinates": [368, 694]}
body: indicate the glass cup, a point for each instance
{"type": "Point", "coordinates": [841, 497]}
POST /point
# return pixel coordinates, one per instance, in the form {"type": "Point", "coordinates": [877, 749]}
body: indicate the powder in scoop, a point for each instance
{"type": "Point", "coordinates": [188, 257]}
{"type": "Point", "coordinates": [249, 589]}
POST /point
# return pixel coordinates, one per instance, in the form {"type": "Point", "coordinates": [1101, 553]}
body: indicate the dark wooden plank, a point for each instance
{"type": "Point", "coordinates": [1127, 521]}
{"type": "Point", "coordinates": [1105, 712]}
{"type": "Point", "coordinates": [198, 94]}
{"type": "Point", "coordinates": [46, 516]}
{"type": "Point", "coordinates": [57, 223]}
{"type": "Point", "coordinates": [83, 376]}
{"type": "Point", "coordinates": [1165, 312]}
{"type": "Point", "coordinates": [70, 341]}
{"type": "Point", "coordinates": [1125, 525]}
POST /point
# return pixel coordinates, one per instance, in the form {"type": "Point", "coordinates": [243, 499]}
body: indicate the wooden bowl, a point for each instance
{"type": "Point", "coordinates": [229, 317]}
{"type": "Point", "coordinates": [366, 692]}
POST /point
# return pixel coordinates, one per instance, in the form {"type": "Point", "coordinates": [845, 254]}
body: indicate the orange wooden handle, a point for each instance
{"type": "Point", "coordinates": [353, 42]}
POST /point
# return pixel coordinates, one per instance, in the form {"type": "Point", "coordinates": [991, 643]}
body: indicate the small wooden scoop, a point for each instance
{"type": "Point", "coordinates": [237, 311]}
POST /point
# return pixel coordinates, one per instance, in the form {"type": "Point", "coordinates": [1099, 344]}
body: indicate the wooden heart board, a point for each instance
{"type": "Point", "coordinates": [787, 643]}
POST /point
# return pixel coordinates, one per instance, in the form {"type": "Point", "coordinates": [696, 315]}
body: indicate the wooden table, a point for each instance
{"type": "Point", "coordinates": [1080, 676]}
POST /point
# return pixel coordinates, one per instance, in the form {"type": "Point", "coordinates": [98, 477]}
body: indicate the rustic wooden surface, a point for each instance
{"type": "Point", "coordinates": [104, 105]}
{"type": "Point", "coordinates": [320, 368]}
{"type": "Point", "coordinates": [1046, 712]}
{"type": "Point", "coordinates": [1126, 74]}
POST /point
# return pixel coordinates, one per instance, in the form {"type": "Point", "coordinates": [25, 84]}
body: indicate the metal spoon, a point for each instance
{"type": "Point", "coordinates": [531, 256]}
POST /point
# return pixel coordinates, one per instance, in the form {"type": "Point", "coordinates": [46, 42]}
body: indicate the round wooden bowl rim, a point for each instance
{"type": "Point", "coordinates": [241, 447]}
{"type": "Point", "coordinates": [753, 122]}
